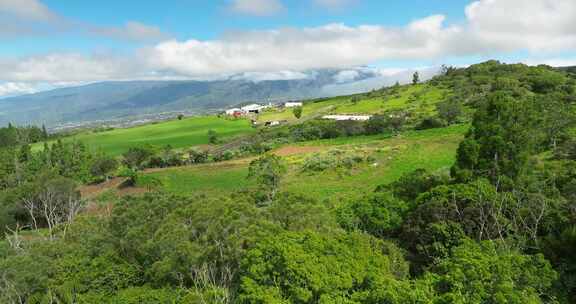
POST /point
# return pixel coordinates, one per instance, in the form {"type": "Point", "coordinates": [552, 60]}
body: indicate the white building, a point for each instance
{"type": "Point", "coordinates": [232, 111]}
{"type": "Point", "coordinates": [292, 104]}
{"type": "Point", "coordinates": [253, 108]}
{"type": "Point", "coordinates": [347, 117]}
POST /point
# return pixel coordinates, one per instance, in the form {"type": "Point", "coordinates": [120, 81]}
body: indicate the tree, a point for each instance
{"type": "Point", "coordinates": [268, 171]}
{"type": "Point", "coordinates": [212, 137]}
{"type": "Point", "coordinates": [502, 137]}
{"type": "Point", "coordinates": [102, 167]}
{"type": "Point", "coordinates": [310, 267]}
{"type": "Point", "coordinates": [380, 214]}
{"type": "Point", "coordinates": [396, 120]}
{"type": "Point", "coordinates": [376, 124]}
{"type": "Point", "coordinates": [449, 110]}
{"type": "Point", "coordinates": [44, 132]}
{"type": "Point", "coordinates": [489, 272]}
{"type": "Point", "coordinates": [297, 111]}
{"type": "Point", "coordinates": [55, 200]}
{"type": "Point", "coordinates": [412, 184]}
{"type": "Point", "coordinates": [180, 116]}
{"type": "Point", "coordinates": [429, 123]}
{"type": "Point", "coordinates": [415, 78]}
{"type": "Point", "coordinates": [136, 156]}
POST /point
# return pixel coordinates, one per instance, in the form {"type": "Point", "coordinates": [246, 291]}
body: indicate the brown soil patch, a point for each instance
{"type": "Point", "coordinates": [89, 191]}
{"type": "Point", "coordinates": [292, 150]}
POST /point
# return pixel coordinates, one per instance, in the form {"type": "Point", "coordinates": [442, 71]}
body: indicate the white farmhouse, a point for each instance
{"type": "Point", "coordinates": [347, 117]}
{"type": "Point", "coordinates": [253, 108]}
{"type": "Point", "coordinates": [292, 104]}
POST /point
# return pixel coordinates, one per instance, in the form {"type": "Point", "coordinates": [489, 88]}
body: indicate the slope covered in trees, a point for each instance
{"type": "Point", "coordinates": [498, 226]}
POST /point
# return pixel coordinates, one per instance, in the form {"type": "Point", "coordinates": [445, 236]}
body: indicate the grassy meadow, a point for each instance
{"type": "Point", "coordinates": [177, 133]}
{"type": "Point", "coordinates": [432, 149]}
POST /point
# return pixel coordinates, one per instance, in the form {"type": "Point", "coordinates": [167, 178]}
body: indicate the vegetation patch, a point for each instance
{"type": "Point", "coordinates": [339, 160]}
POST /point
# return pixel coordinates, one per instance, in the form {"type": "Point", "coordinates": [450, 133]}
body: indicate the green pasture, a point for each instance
{"type": "Point", "coordinates": [177, 133]}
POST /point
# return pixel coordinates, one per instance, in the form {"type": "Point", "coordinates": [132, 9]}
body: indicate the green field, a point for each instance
{"type": "Point", "coordinates": [209, 178]}
{"type": "Point", "coordinates": [177, 133]}
{"type": "Point", "coordinates": [430, 149]}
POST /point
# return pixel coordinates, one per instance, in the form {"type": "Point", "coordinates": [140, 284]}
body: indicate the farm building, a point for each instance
{"type": "Point", "coordinates": [254, 108]}
{"type": "Point", "coordinates": [292, 104]}
{"type": "Point", "coordinates": [347, 117]}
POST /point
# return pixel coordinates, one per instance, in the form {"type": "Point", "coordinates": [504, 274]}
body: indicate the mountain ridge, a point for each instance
{"type": "Point", "coordinates": [120, 99]}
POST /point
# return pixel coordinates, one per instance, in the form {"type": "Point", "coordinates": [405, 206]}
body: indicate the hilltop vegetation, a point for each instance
{"type": "Point", "coordinates": [457, 190]}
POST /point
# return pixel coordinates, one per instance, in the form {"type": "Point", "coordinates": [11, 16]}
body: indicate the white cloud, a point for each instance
{"type": "Point", "coordinates": [492, 27]}
{"type": "Point", "coordinates": [27, 9]}
{"type": "Point", "coordinates": [16, 88]}
{"type": "Point", "coordinates": [256, 7]}
{"type": "Point", "coordinates": [557, 62]}
{"type": "Point", "coordinates": [333, 45]}
{"type": "Point", "coordinates": [334, 4]}
{"type": "Point", "coordinates": [346, 76]}
{"type": "Point", "coordinates": [535, 25]}
{"type": "Point", "coordinates": [262, 76]}
{"type": "Point", "coordinates": [133, 31]}
{"type": "Point", "coordinates": [31, 18]}
{"type": "Point", "coordinates": [69, 67]}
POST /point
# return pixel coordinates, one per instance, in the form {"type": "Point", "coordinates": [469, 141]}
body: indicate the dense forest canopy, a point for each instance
{"type": "Point", "coordinates": [499, 227]}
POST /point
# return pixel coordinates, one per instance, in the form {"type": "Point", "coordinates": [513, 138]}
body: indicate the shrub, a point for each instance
{"type": "Point", "coordinates": [334, 159]}
{"type": "Point", "coordinates": [430, 123]}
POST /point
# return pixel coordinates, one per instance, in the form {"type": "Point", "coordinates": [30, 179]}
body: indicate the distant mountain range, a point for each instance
{"type": "Point", "coordinates": [118, 100]}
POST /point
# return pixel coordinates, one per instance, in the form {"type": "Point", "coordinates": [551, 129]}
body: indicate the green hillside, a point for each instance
{"type": "Point", "coordinates": [419, 99]}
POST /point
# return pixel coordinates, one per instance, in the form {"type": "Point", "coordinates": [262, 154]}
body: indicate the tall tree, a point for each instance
{"type": "Point", "coordinates": [297, 111]}
{"type": "Point", "coordinates": [268, 171]}
{"type": "Point", "coordinates": [416, 78]}
{"type": "Point", "coordinates": [500, 140]}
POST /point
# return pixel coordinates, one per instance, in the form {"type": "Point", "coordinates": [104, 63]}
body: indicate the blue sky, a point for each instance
{"type": "Point", "coordinates": [204, 20]}
{"type": "Point", "coordinates": [51, 43]}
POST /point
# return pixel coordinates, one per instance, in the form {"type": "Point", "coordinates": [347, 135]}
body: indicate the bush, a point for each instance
{"type": "Point", "coordinates": [198, 157]}
{"type": "Point", "coordinates": [136, 157]}
{"type": "Point", "coordinates": [335, 159]}
{"type": "Point", "coordinates": [430, 123]}
{"type": "Point", "coordinates": [380, 214]}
